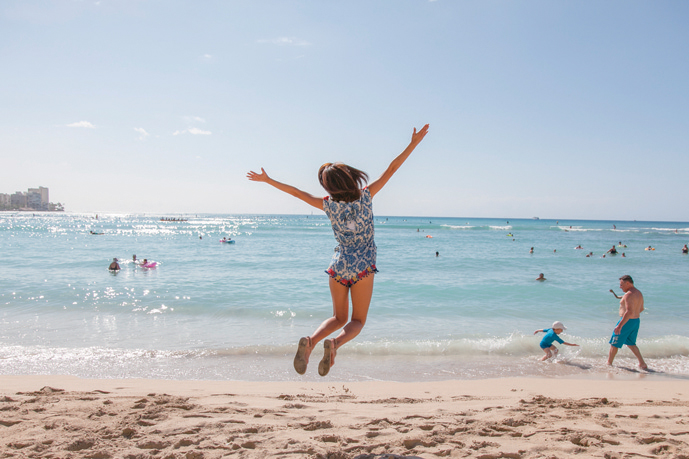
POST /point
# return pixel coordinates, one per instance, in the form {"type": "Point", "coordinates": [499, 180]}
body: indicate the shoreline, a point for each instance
{"type": "Point", "coordinates": [532, 417]}
{"type": "Point", "coordinates": [583, 386]}
{"type": "Point", "coordinates": [33, 210]}
{"type": "Point", "coordinates": [356, 364]}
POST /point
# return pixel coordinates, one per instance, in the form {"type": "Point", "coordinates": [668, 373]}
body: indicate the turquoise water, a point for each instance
{"type": "Point", "coordinates": [235, 311]}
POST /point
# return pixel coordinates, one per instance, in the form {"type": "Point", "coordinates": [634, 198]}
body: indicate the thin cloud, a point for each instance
{"type": "Point", "coordinates": [193, 131]}
{"type": "Point", "coordinates": [82, 124]}
{"type": "Point", "coordinates": [197, 131]}
{"type": "Point", "coordinates": [286, 41]}
{"type": "Point", "coordinates": [192, 119]}
{"type": "Point", "coordinates": [143, 133]}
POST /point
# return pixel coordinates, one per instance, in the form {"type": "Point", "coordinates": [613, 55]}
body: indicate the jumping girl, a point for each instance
{"type": "Point", "coordinates": [353, 265]}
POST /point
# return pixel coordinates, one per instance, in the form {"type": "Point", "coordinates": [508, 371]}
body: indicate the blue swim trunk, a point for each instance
{"type": "Point", "coordinates": [627, 335]}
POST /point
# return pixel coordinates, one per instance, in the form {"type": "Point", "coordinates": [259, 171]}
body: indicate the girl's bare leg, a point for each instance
{"type": "Point", "coordinates": [340, 296]}
{"type": "Point", "coordinates": [360, 293]}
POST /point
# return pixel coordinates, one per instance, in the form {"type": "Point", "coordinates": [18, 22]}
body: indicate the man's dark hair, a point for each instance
{"type": "Point", "coordinates": [627, 278]}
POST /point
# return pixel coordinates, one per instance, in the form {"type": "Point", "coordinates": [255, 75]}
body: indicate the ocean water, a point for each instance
{"type": "Point", "coordinates": [236, 311]}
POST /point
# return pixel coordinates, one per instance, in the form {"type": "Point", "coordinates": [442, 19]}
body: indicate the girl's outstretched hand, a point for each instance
{"type": "Point", "coordinates": [289, 189]}
{"type": "Point", "coordinates": [254, 177]}
{"type": "Point", "coordinates": [378, 184]}
{"type": "Point", "coordinates": [417, 137]}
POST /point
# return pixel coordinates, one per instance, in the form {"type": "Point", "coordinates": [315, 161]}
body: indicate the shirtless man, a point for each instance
{"type": "Point", "coordinates": [114, 266]}
{"type": "Point", "coordinates": [631, 305]}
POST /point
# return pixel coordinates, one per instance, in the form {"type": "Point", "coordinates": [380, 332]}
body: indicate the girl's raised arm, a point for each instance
{"type": "Point", "coordinates": [379, 183]}
{"type": "Point", "coordinates": [289, 189]}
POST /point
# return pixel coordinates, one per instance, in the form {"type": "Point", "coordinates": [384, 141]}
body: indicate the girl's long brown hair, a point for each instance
{"type": "Point", "coordinates": [341, 181]}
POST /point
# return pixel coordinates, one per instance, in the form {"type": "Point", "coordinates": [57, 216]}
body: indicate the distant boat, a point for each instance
{"type": "Point", "coordinates": [535, 218]}
{"type": "Point", "coordinates": [169, 219]}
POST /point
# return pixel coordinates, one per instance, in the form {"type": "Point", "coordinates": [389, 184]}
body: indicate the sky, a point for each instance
{"type": "Point", "coordinates": [564, 109]}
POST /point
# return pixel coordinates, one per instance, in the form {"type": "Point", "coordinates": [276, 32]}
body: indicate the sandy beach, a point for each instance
{"type": "Point", "coordinates": [519, 418]}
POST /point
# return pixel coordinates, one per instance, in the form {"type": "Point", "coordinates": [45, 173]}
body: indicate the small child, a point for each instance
{"type": "Point", "coordinates": [550, 336]}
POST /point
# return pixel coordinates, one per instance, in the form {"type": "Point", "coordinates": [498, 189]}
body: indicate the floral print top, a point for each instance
{"type": "Point", "coordinates": [352, 222]}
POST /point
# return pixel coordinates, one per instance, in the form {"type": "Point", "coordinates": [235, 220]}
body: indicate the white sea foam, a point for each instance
{"type": "Point", "coordinates": [459, 227]}
{"type": "Point", "coordinates": [404, 362]}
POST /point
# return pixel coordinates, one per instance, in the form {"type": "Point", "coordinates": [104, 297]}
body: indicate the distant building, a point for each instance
{"type": "Point", "coordinates": [38, 198]}
{"type": "Point", "coordinates": [33, 199]}
{"type": "Point", "coordinates": [19, 200]}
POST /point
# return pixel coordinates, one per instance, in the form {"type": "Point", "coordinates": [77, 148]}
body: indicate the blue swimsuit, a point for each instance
{"type": "Point", "coordinates": [352, 222]}
{"type": "Point", "coordinates": [549, 337]}
{"type": "Point", "coordinates": [627, 335]}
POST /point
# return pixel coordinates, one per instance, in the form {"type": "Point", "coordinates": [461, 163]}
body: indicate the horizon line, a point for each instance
{"type": "Point", "coordinates": [172, 214]}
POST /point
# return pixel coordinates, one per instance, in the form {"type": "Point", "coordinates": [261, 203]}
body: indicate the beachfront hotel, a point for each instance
{"type": "Point", "coordinates": [32, 199]}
